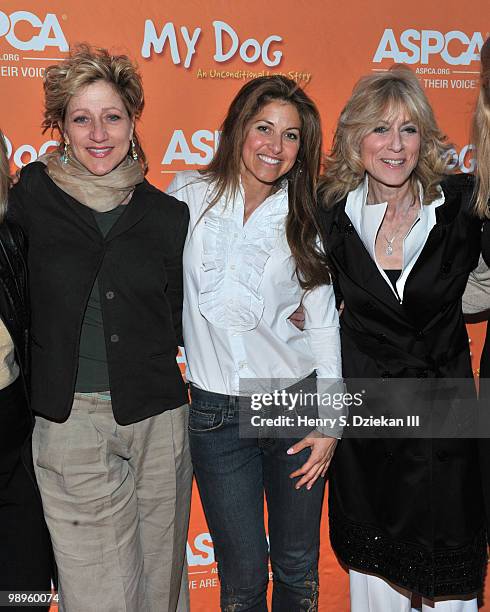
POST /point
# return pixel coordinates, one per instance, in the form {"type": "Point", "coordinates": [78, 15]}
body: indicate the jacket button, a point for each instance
{"type": "Point", "coordinates": [446, 267]}
{"type": "Point", "coordinates": [386, 374]}
{"type": "Point", "coordinates": [114, 338]}
{"type": "Point", "coordinates": [442, 455]}
{"type": "Point", "coordinates": [422, 374]}
{"type": "Point", "coordinates": [109, 295]}
{"type": "Point", "coordinates": [419, 334]}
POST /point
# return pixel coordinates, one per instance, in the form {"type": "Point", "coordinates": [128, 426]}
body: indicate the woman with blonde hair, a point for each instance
{"type": "Point", "coordinates": [105, 273]}
{"type": "Point", "coordinates": [406, 513]}
{"type": "Point", "coordinates": [477, 296]}
{"type": "Point", "coordinates": [25, 553]}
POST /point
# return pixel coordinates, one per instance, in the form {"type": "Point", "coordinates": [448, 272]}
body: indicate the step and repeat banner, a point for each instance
{"type": "Point", "coordinates": [194, 56]}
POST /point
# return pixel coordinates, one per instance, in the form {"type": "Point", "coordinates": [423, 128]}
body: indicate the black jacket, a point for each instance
{"type": "Point", "coordinates": [410, 510]}
{"type": "Point", "coordinates": [139, 267]}
{"type": "Point", "coordinates": [14, 293]}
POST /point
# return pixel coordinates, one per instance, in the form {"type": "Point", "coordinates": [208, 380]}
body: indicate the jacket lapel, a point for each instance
{"type": "Point", "coordinates": [135, 211]}
{"type": "Point", "coordinates": [348, 253]}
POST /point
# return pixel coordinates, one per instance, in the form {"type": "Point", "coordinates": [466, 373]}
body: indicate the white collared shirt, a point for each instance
{"type": "Point", "coordinates": [240, 287]}
{"type": "Point", "coordinates": [367, 219]}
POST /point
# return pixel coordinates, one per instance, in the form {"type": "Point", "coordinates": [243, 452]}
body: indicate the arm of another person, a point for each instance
{"type": "Point", "coordinates": [175, 292]}
{"type": "Point", "coordinates": [17, 211]}
{"type": "Point", "coordinates": [476, 297]}
{"type": "Point", "coordinates": [322, 330]}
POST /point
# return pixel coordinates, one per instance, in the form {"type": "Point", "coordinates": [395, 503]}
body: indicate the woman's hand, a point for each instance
{"type": "Point", "coordinates": [322, 450]}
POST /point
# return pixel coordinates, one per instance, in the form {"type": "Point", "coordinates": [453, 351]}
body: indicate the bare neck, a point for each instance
{"type": "Point", "coordinates": [394, 196]}
{"type": "Point", "coordinates": [255, 193]}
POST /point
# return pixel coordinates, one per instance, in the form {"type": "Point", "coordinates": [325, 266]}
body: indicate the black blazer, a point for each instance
{"type": "Point", "coordinates": [410, 510]}
{"type": "Point", "coordinates": [139, 267]}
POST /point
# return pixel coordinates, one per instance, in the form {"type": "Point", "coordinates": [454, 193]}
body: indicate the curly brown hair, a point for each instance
{"type": "Point", "coordinates": [86, 65]}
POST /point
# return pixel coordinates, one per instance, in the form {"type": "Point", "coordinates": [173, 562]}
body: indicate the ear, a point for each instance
{"type": "Point", "coordinates": [63, 133]}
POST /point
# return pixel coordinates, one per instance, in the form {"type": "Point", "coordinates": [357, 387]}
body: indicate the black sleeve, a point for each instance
{"type": "Point", "coordinates": [175, 289]}
{"type": "Point", "coordinates": [18, 203]}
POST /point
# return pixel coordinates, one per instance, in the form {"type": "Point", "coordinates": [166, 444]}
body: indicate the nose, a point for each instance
{"type": "Point", "coordinates": [275, 143]}
{"type": "Point", "coordinates": [98, 133]}
{"type": "Point", "coordinates": [396, 143]}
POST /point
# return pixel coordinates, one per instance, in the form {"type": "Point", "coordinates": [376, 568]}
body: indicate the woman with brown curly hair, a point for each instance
{"type": "Point", "coordinates": [105, 269]}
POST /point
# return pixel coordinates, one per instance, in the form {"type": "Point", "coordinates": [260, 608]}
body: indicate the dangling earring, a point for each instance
{"type": "Point", "coordinates": [134, 152]}
{"type": "Point", "coordinates": [65, 156]}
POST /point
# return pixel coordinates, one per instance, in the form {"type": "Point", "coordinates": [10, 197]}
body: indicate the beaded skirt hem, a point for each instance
{"type": "Point", "coordinates": [430, 573]}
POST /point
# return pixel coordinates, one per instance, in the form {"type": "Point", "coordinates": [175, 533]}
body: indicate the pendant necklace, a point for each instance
{"type": "Point", "coordinates": [389, 245]}
{"type": "Point", "coordinates": [389, 242]}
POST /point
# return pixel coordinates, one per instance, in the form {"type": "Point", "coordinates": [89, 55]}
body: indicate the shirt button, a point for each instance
{"type": "Point", "coordinates": [114, 338]}
{"type": "Point", "coordinates": [235, 235]}
{"type": "Point", "coordinates": [109, 295]}
{"type": "Point", "coordinates": [232, 267]}
{"type": "Point", "coordinates": [242, 365]}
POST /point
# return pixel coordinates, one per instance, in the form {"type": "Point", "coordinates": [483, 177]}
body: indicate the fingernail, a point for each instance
{"type": "Point", "coordinates": [290, 451]}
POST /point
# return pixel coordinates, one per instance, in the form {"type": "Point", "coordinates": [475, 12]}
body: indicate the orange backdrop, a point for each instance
{"type": "Point", "coordinates": [195, 55]}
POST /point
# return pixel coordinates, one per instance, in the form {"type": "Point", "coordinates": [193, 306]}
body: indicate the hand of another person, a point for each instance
{"type": "Point", "coordinates": [298, 318]}
{"type": "Point", "coordinates": [322, 450]}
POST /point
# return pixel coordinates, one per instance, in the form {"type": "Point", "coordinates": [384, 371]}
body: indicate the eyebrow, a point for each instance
{"type": "Point", "coordinates": [273, 124]}
{"type": "Point", "coordinates": [105, 108]}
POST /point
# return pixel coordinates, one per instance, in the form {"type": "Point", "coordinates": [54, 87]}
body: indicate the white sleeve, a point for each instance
{"type": "Point", "coordinates": [323, 334]}
{"type": "Point", "coordinates": [322, 330]}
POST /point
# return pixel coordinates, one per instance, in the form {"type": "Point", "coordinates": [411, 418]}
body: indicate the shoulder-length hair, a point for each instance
{"type": "Point", "coordinates": [481, 136]}
{"type": "Point", "coordinates": [86, 65]}
{"type": "Point", "coordinates": [375, 98]}
{"type": "Point", "coordinates": [224, 170]}
{"type": "Point", "coordinates": [4, 177]}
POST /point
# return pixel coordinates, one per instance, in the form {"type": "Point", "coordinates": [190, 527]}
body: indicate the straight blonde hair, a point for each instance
{"type": "Point", "coordinates": [481, 137]}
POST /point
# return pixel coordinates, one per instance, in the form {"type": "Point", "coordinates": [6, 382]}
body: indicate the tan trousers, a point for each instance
{"type": "Point", "coordinates": [116, 500]}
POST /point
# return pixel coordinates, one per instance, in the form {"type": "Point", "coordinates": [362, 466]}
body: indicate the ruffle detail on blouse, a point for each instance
{"type": "Point", "coordinates": [230, 298]}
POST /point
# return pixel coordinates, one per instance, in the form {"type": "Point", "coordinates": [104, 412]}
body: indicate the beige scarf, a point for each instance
{"type": "Point", "coordinates": [100, 193]}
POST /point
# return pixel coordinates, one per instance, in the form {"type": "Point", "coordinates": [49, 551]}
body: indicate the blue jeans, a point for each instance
{"type": "Point", "coordinates": [232, 474]}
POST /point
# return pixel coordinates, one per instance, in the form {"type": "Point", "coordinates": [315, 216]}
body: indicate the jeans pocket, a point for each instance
{"type": "Point", "coordinates": [205, 417]}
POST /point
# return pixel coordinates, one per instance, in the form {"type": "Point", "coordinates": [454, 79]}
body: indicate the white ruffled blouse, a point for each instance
{"type": "Point", "coordinates": [240, 287]}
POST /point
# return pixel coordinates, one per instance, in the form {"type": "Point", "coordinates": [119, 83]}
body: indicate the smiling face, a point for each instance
{"type": "Point", "coordinates": [98, 128]}
{"type": "Point", "coordinates": [390, 152]}
{"type": "Point", "coordinates": [271, 144]}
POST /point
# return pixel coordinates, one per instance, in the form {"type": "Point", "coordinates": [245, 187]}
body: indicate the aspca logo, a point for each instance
{"type": "Point", "coordinates": [419, 46]}
{"type": "Point", "coordinates": [463, 160]}
{"type": "Point", "coordinates": [201, 551]}
{"type": "Point", "coordinates": [26, 153]}
{"type": "Point", "coordinates": [47, 33]}
{"type": "Point", "coordinates": [227, 44]}
{"type": "Point", "coordinates": [196, 150]}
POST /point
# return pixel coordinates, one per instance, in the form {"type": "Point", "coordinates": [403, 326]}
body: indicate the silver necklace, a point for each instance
{"type": "Point", "coordinates": [389, 242]}
{"type": "Point", "coordinates": [389, 245]}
